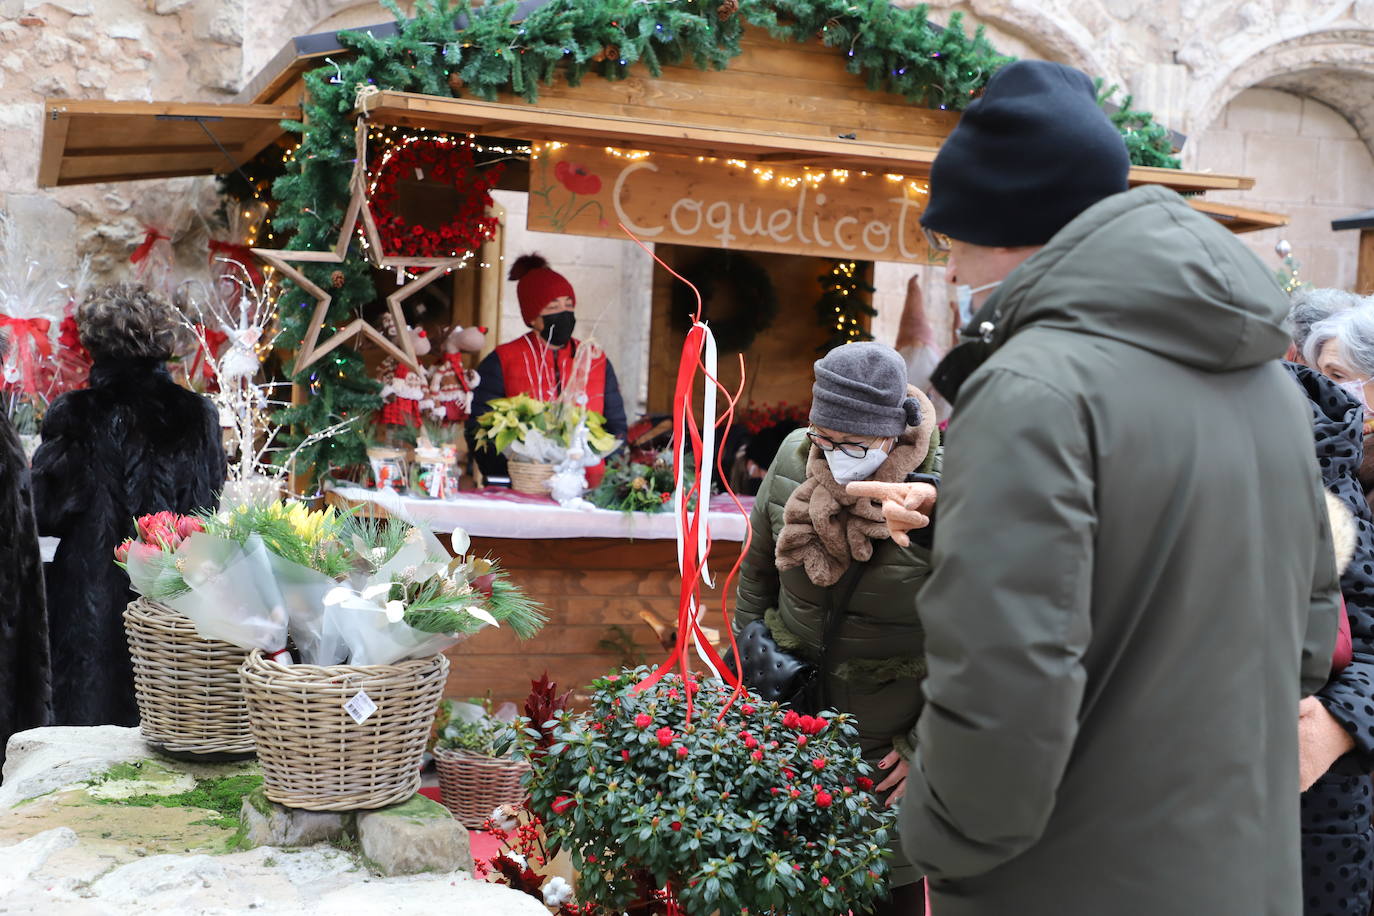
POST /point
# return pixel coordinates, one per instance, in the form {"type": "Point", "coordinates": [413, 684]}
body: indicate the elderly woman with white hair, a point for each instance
{"type": "Point", "coordinates": [1309, 307]}
{"type": "Point", "coordinates": [1341, 348]}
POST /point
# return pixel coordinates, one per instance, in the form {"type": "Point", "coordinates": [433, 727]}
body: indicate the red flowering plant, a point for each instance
{"type": "Point", "coordinates": [747, 807]}
{"type": "Point", "coordinates": [759, 417]}
{"type": "Point", "coordinates": [442, 161]}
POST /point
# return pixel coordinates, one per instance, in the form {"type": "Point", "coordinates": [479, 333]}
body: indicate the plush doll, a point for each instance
{"type": "Point", "coordinates": [451, 384]}
{"type": "Point", "coordinates": [405, 391]}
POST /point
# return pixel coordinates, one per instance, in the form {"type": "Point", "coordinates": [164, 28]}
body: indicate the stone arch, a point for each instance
{"type": "Point", "coordinates": [1046, 33]}
{"type": "Point", "coordinates": [1332, 66]}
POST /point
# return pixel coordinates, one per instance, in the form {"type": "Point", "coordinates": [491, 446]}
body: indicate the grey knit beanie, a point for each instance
{"type": "Point", "coordinates": [861, 388]}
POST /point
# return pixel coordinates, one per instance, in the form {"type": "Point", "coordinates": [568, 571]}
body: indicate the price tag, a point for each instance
{"type": "Point", "coordinates": [360, 707]}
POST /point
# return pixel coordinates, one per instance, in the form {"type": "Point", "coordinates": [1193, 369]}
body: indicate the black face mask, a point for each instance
{"type": "Point", "coordinates": [558, 328]}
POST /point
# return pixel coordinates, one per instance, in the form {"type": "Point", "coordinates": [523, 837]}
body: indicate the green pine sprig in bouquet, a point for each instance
{"type": "Point", "coordinates": [636, 486]}
{"type": "Point", "coordinates": [747, 807]}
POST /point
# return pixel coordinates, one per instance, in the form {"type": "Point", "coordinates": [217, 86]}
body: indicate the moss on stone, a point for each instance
{"type": "Point", "coordinates": [418, 808]}
{"type": "Point", "coordinates": [222, 795]}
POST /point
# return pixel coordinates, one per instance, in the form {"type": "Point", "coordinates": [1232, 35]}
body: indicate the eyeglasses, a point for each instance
{"type": "Point", "coordinates": [826, 444]}
{"type": "Point", "coordinates": [938, 241]}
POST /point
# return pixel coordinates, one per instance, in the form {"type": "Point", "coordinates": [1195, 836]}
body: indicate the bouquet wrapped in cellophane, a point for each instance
{"type": "Point", "coordinates": [339, 589]}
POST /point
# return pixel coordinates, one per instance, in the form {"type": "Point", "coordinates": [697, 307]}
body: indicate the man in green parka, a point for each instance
{"type": "Point", "coordinates": [1133, 581]}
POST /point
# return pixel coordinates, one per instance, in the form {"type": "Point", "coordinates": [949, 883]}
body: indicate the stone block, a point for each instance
{"type": "Point", "coordinates": [19, 861]}
{"type": "Point", "coordinates": [1281, 165]}
{"type": "Point", "coordinates": [459, 896]}
{"type": "Point", "coordinates": [40, 760]}
{"type": "Point", "coordinates": [267, 823]}
{"type": "Point", "coordinates": [1320, 120]}
{"type": "Point", "coordinates": [130, 29]}
{"type": "Point", "coordinates": [1325, 172]}
{"type": "Point", "coordinates": [1265, 110]}
{"type": "Point", "coordinates": [1217, 150]}
{"type": "Point", "coordinates": [166, 7]}
{"type": "Point", "coordinates": [415, 836]}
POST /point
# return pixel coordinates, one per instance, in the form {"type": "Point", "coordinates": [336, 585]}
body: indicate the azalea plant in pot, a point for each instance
{"type": "Point", "coordinates": [741, 807]}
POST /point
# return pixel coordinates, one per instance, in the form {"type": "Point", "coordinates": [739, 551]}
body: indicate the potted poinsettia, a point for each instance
{"type": "Point", "coordinates": [745, 806]}
{"type": "Point", "coordinates": [536, 436]}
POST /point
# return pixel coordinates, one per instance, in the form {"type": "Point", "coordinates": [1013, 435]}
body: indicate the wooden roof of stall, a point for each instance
{"type": "Point", "coordinates": [778, 103]}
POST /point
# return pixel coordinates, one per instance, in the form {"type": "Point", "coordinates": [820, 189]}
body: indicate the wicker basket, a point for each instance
{"type": "Point", "coordinates": [190, 700]}
{"type": "Point", "coordinates": [472, 786]}
{"type": "Point", "coordinates": [530, 477]}
{"type": "Point", "coordinates": [315, 756]}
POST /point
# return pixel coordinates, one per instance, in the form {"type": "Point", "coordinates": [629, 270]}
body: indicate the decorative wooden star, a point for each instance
{"type": "Point", "coordinates": [312, 349]}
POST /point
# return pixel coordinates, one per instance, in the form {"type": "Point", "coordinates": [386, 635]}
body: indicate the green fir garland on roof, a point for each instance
{"type": "Point", "coordinates": [896, 50]}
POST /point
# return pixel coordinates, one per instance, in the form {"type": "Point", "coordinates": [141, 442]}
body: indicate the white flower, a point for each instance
{"type": "Point", "coordinates": [503, 817]}
{"type": "Point", "coordinates": [378, 555]}
{"type": "Point", "coordinates": [515, 857]}
{"type": "Point", "coordinates": [395, 611]}
{"type": "Point", "coordinates": [557, 891]}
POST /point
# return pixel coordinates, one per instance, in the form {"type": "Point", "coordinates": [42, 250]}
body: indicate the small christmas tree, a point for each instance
{"type": "Point", "coordinates": [1287, 275]}
{"type": "Point", "coordinates": [843, 303]}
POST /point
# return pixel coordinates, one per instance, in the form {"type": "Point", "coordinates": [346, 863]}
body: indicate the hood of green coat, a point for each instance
{"type": "Point", "coordinates": [1145, 268]}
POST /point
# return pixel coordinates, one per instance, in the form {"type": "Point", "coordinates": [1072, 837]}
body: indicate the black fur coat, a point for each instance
{"type": "Point", "coordinates": [133, 443]}
{"type": "Point", "coordinates": [25, 676]}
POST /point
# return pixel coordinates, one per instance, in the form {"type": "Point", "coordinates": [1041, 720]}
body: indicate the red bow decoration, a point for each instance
{"type": "Point", "coordinates": [150, 238]}
{"type": "Point", "coordinates": [211, 343]}
{"type": "Point", "coordinates": [36, 331]}
{"type": "Point", "coordinates": [240, 253]}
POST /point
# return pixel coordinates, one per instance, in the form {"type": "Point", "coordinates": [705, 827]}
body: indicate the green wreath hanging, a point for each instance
{"type": "Point", "coordinates": [745, 281]}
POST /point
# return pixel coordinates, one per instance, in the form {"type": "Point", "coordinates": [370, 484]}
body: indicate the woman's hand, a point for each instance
{"type": "Point", "coordinates": [896, 780]}
{"type": "Point", "coordinates": [1321, 741]}
{"type": "Point", "coordinates": [906, 506]}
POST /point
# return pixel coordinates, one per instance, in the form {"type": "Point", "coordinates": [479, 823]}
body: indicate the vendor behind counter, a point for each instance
{"type": "Point", "coordinates": [540, 363]}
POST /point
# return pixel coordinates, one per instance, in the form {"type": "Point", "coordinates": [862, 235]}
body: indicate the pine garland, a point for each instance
{"type": "Point", "coordinates": [896, 50]}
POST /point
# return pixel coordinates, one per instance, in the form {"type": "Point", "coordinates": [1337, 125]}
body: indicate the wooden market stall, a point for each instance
{"type": "Point", "coordinates": [785, 155]}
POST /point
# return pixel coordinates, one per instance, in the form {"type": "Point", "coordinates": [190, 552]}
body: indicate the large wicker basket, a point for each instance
{"type": "Point", "coordinates": [190, 700]}
{"type": "Point", "coordinates": [472, 786]}
{"type": "Point", "coordinates": [315, 756]}
{"type": "Point", "coordinates": [530, 477]}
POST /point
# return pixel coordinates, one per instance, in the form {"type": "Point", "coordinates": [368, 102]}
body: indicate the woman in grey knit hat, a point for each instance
{"type": "Point", "coordinates": [817, 549]}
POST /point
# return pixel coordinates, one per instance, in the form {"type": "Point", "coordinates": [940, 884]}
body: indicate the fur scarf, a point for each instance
{"type": "Point", "coordinates": [824, 528]}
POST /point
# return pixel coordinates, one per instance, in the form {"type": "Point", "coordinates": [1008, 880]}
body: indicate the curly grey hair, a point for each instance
{"type": "Point", "coordinates": [127, 321]}
{"type": "Point", "coordinates": [1307, 307]}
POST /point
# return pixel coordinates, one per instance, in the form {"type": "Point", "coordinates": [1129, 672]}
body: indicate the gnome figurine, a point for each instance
{"type": "Point", "coordinates": [405, 391]}
{"type": "Point", "coordinates": [451, 385]}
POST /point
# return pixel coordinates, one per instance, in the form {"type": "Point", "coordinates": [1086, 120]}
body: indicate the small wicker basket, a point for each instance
{"type": "Point", "coordinates": [315, 756]}
{"type": "Point", "coordinates": [472, 786]}
{"type": "Point", "coordinates": [190, 699]}
{"type": "Point", "coordinates": [530, 477]}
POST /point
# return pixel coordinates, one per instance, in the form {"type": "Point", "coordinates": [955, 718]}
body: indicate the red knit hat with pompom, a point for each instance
{"type": "Point", "coordinates": [537, 284]}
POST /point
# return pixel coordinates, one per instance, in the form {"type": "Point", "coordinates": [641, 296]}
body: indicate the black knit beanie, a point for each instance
{"type": "Point", "coordinates": [1033, 152]}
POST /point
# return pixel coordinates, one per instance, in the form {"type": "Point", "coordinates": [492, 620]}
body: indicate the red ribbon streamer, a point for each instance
{"type": "Point", "coordinates": [150, 238]}
{"type": "Point", "coordinates": [240, 253]}
{"type": "Point", "coordinates": [35, 330]}
{"type": "Point", "coordinates": [210, 343]}
{"type": "Point", "coordinates": [687, 434]}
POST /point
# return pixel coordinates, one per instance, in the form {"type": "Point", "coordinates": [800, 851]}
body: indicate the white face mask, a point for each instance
{"type": "Point", "coordinates": [847, 470]}
{"type": "Point", "coordinates": [1355, 388]}
{"type": "Point", "coordinates": [964, 294]}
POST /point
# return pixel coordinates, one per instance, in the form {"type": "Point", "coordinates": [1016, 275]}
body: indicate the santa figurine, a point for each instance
{"type": "Point", "coordinates": [405, 391]}
{"type": "Point", "coordinates": [451, 385]}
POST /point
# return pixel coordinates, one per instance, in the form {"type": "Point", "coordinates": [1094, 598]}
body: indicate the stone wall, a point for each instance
{"type": "Point", "coordinates": [1189, 60]}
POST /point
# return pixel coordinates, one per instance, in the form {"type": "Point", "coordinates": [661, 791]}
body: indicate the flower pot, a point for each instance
{"type": "Point", "coordinates": [314, 755]}
{"type": "Point", "coordinates": [190, 700]}
{"type": "Point", "coordinates": [473, 786]}
{"type": "Point", "coordinates": [530, 477]}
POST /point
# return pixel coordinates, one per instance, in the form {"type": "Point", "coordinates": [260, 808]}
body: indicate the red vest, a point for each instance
{"type": "Point", "coordinates": [530, 366]}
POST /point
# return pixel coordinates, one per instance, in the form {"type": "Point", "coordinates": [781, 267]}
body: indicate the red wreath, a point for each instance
{"type": "Point", "coordinates": [441, 161]}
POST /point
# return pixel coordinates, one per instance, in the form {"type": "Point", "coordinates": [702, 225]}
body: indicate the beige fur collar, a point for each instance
{"type": "Point", "coordinates": [824, 528]}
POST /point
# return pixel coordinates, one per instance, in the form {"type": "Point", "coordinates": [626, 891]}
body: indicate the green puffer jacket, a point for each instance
{"type": "Point", "coordinates": [877, 660]}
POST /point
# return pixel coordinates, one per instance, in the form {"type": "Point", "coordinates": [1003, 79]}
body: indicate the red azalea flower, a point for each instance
{"type": "Point", "coordinates": [682, 752]}
{"type": "Point", "coordinates": [747, 709]}
{"type": "Point", "coordinates": [791, 719]}
{"type": "Point", "coordinates": [863, 782]}
{"type": "Point", "coordinates": [801, 741]}
{"type": "Point", "coordinates": [563, 803]}
{"type": "Point", "coordinates": [675, 825]}
{"type": "Point", "coordinates": [577, 178]}
{"type": "Point", "coordinates": [750, 741]}
{"type": "Point", "coordinates": [643, 719]}
{"type": "Point", "coordinates": [757, 755]}
{"type": "Point", "coordinates": [819, 726]}
{"type": "Point", "coordinates": [774, 790]}
{"type": "Point", "coordinates": [819, 763]}
{"type": "Point", "coordinates": [795, 793]}
{"type": "Point", "coordinates": [823, 799]}
{"type": "Point", "coordinates": [625, 755]}
{"type": "Point", "coordinates": [665, 736]}
{"type": "Point", "coordinates": [825, 882]}
{"type": "Point", "coordinates": [806, 723]}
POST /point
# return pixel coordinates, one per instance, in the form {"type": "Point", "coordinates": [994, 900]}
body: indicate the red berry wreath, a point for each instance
{"type": "Point", "coordinates": [442, 161]}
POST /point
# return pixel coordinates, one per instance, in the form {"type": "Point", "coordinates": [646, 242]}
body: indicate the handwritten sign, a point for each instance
{"type": "Point", "coordinates": [726, 204]}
